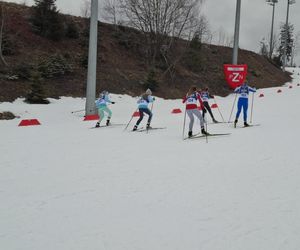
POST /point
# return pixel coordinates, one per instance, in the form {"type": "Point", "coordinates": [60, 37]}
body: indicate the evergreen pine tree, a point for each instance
{"type": "Point", "coordinates": [37, 94]}
{"type": "Point", "coordinates": [72, 30]}
{"type": "Point", "coordinates": [196, 42]}
{"type": "Point", "coordinates": [151, 82]}
{"type": "Point", "coordinates": [290, 41]}
{"type": "Point", "coordinates": [46, 20]}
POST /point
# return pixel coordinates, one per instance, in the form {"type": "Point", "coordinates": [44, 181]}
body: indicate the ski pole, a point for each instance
{"type": "Point", "coordinates": [206, 132]}
{"type": "Point", "coordinates": [76, 111]}
{"type": "Point", "coordinates": [184, 119]}
{"type": "Point", "coordinates": [232, 108]}
{"type": "Point", "coordinates": [130, 120]}
{"type": "Point", "coordinates": [219, 110]}
{"type": "Point", "coordinates": [252, 107]}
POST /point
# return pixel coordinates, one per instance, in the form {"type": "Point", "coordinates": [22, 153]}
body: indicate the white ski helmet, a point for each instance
{"type": "Point", "coordinates": [103, 93]}
{"type": "Point", "coordinates": [148, 92]}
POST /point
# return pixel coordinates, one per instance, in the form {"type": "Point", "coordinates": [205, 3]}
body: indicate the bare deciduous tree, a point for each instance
{"type": "Point", "coordinates": [264, 48]}
{"type": "Point", "coordinates": [86, 8]}
{"type": "Point", "coordinates": [2, 20]}
{"type": "Point", "coordinates": [224, 39]}
{"type": "Point", "coordinates": [111, 11]}
{"type": "Point", "coordinates": [201, 29]}
{"type": "Point", "coordinates": [161, 21]}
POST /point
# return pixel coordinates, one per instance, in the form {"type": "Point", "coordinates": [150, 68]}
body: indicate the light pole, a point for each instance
{"type": "Point", "coordinates": [236, 32]}
{"type": "Point", "coordinates": [289, 2]}
{"type": "Point", "coordinates": [92, 64]}
{"type": "Point", "coordinates": [272, 3]}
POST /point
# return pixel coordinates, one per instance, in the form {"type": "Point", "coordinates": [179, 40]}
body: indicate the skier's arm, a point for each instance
{"type": "Point", "coordinates": [200, 101]}
{"type": "Point", "coordinates": [97, 103]}
{"type": "Point", "coordinates": [107, 99]}
{"type": "Point", "coordinates": [184, 99]}
{"type": "Point", "coordinates": [252, 89]}
{"type": "Point", "coordinates": [151, 98]}
{"type": "Point", "coordinates": [237, 90]}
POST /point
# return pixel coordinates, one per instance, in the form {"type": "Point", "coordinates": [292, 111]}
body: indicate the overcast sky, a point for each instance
{"type": "Point", "coordinates": [255, 18]}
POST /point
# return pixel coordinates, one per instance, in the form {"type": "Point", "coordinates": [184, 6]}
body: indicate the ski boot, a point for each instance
{"type": "Point", "coordinates": [148, 126]}
{"type": "Point", "coordinates": [108, 122]}
{"type": "Point", "coordinates": [215, 121]}
{"type": "Point", "coordinates": [190, 134]}
{"type": "Point", "coordinates": [235, 122]}
{"type": "Point", "coordinates": [204, 132]}
{"type": "Point", "coordinates": [97, 125]}
{"type": "Point", "coordinates": [246, 124]}
{"type": "Point", "coordinates": [134, 128]}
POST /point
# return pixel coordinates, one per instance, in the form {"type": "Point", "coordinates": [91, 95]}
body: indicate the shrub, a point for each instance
{"type": "Point", "coordinates": [8, 46]}
{"type": "Point", "coordinates": [24, 70]}
{"type": "Point", "coordinates": [37, 93]}
{"type": "Point", "coordinates": [7, 116]}
{"type": "Point", "coordinates": [193, 60]}
{"type": "Point", "coordinates": [53, 66]}
{"type": "Point", "coordinates": [72, 30]}
{"type": "Point", "coordinates": [151, 82]}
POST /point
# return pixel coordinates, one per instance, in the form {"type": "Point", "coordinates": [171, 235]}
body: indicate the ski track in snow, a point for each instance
{"type": "Point", "coordinates": [66, 186]}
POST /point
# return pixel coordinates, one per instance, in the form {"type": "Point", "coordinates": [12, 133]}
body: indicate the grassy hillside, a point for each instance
{"type": "Point", "coordinates": [122, 67]}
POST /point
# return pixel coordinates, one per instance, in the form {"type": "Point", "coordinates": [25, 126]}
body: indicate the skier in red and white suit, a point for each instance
{"type": "Point", "coordinates": [191, 99]}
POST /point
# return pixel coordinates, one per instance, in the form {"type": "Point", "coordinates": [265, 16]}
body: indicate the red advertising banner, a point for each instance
{"type": "Point", "coordinates": [235, 75]}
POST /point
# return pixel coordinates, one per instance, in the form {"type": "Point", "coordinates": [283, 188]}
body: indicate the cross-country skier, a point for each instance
{"type": "Point", "coordinates": [205, 96]}
{"type": "Point", "coordinates": [191, 99]}
{"type": "Point", "coordinates": [243, 92]}
{"type": "Point", "coordinates": [101, 105]}
{"type": "Point", "coordinates": [143, 102]}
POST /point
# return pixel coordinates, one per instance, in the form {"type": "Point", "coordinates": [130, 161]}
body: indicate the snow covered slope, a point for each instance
{"type": "Point", "coordinates": [65, 186]}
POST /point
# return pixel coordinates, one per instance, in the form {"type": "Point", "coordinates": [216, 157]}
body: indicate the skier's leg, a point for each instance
{"type": "Point", "coordinates": [109, 114]}
{"type": "Point", "coordinates": [141, 116]}
{"type": "Point", "coordinates": [199, 116]}
{"type": "Point", "coordinates": [197, 113]}
{"type": "Point", "coordinates": [204, 112]}
{"type": "Point", "coordinates": [141, 111]}
{"type": "Point", "coordinates": [191, 116]}
{"type": "Point", "coordinates": [101, 116]}
{"type": "Point", "coordinates": [245, 110]}
{"type": "Point", "coordinates": [206, 105]}
{"type": "Point", "coordinates": [239, 109]}
{"type": "Point", "coordinates": [240, 104]}
{"type": "Point", "coordinates": [149, 113]}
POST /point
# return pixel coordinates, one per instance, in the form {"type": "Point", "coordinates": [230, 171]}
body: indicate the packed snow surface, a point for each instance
{"type": "Point", "coordinates": [64, 186]}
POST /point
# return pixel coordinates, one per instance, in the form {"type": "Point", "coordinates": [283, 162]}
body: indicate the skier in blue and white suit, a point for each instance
{"type": "Point", "coordinates": [243, 92]}
{"type": "Point", "coordinates": [143, 102]}
{"type": "Point", "coordinates": [101, 105]}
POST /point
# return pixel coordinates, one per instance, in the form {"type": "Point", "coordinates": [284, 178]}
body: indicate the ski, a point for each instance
{"type": "Point", "coordinates": [204, 136]}
{"type": "Point", "coordinates": [195, 135]}
{"type": "Point", "coordinates": [211, 123]}
{"type": "Point", "coordinates": [137, 130]}
{"type": "Point", "coordinates": [109, 126]}
{"type": "Point", "coordinates": [149, 129]}
{"type": "Point", "coordinates": [250, 125]}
